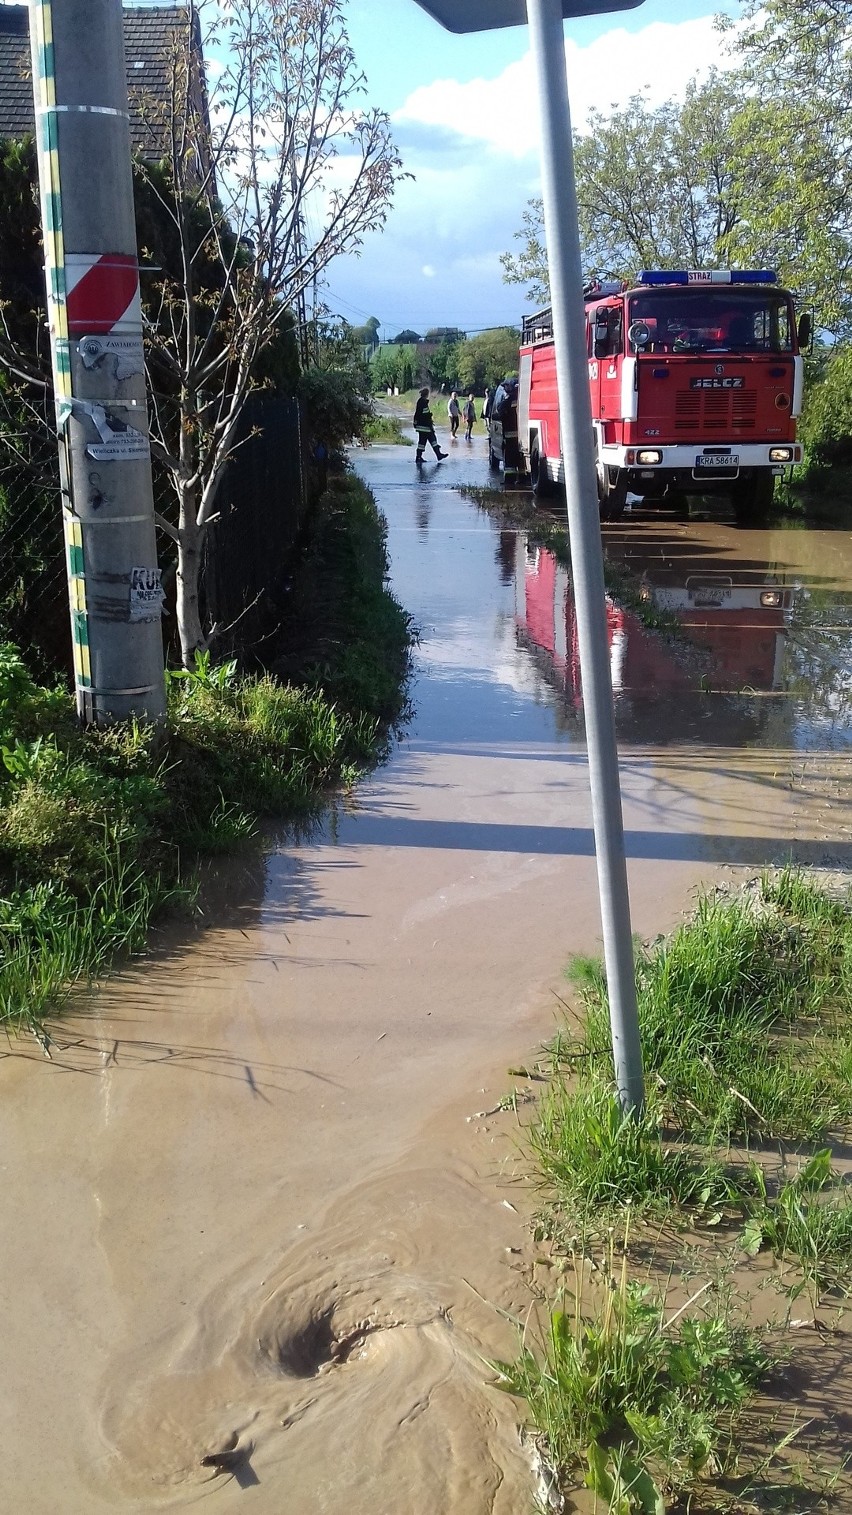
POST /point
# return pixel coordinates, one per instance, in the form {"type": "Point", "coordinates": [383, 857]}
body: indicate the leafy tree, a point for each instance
{"type": "Point", "coordinates": [826, 425]}
{"type": "Point", "coordinates": [444, 334]}
{"type": "Point", "coordinates": [386, 368]}
{"type": "Point", "coordinates": [335, 389]}
{"type": "Point", "coordinates": [337, 406]}
{"type": "Point", "coordinates": [656, 187]}
{"type": "Point", "coordinates": [368, 334]}
{"type": "Point", "coordinates": [487, 358]}
{"type": "Point", "coordinates": [280, 128]}
{"type": "Point", "coordinates": [443, 364]}
{"type": "Point", "coordinates": [398, 367]}
{"type": "Point", "coordinates": [283, 119]}
{"type": "Point", "coordinates": [225, 214]}
{"type": "Point", "coordinates": [529, 266]}
{"type": "Point", "coordinates": [796, 79]}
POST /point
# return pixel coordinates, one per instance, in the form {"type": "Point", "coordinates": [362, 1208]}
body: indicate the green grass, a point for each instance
{"type": "Point", "coordinates": [643, 1400]}
{"type": "Point", "coordinates": [595, 1162]}
{"type": "Point", "coordinates": [50, 938]}
{"type": "Point", "coordinates": [100, 830]}
{"type": "Point", "coordinates": [744, 1015]}
{"type": "Point", "coordinates": [387, 429]}
{"type": "Point", "coordinates": [807, 1221]}
{"type": "Point", "coordinates": [747, 1035]}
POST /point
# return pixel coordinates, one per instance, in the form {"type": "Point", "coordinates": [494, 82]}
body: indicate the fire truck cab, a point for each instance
{"type": "Point", "coordinates": [696, 382]}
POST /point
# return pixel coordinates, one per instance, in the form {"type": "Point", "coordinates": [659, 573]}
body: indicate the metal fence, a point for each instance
{"type": "Point", "coordinates": [248, 551]}
{"type": "Point", "coordinates": [33, 580]}
{"type": "Point", "coordinates": [250, 547]}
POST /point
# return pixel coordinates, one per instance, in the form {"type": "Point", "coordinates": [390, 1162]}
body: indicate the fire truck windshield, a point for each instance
{"type": "Point", "coordinates": [710, 320]}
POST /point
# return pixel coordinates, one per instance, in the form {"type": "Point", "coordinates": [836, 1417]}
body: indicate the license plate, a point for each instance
{"type": "Point", "coordinates": [708, 599]}
{"type": "Point", "coordinates": [718, 460]}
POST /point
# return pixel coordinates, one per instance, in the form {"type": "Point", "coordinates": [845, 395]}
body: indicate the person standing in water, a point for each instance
{"type": "Point", "coordinates": [454, 413]}
{"type": "Point", "coordinates": [425, 428]}
{"type": "Point", "coordinates": [469, 417]}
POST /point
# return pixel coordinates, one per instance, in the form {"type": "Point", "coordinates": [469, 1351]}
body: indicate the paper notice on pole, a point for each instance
{"type": "Point", "coordinates": [116, 440]}
{"type": "Point", "coordinates": [119, 356]}
{"type": "Point", "coordinates": [146, 594]}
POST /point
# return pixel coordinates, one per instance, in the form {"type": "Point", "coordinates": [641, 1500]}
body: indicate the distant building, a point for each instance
{"type": "Point", "coordinates": [154, 36]}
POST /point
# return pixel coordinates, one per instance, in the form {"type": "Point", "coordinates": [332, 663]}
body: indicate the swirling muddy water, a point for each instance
{"type": "Point", "coordinates": [255, 1253]}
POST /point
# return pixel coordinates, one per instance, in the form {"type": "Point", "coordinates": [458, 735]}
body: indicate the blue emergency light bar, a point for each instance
{"type": "Point", "coordinates": [708, 276]}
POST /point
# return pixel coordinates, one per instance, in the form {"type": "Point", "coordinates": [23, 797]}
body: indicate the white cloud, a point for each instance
{"type": "Point", "coordinates": [428, 271]}
{"type": "Point", "coordinates": [502, 112]}
{"type": "Point", "coordinates": [472, 148]}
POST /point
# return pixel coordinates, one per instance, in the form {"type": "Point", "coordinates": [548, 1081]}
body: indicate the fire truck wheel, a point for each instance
{"type": "Point", "coordinates": [752, 498]}
{"type": "Point", "coordinates": [543, 486]}
{"type": "Point", "coordinates": [612, 494]}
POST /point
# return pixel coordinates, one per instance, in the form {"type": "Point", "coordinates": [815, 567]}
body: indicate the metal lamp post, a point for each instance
{"type": "Point", "coordinates": [545, 19]}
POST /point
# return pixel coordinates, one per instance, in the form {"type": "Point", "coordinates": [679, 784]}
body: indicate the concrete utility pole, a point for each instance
{"type": "Point", "coordinates": [559, 194]}
{"type": "Point", "coordinates": [95, 319]}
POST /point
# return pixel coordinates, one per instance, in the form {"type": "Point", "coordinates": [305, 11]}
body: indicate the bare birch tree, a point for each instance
{"type": "Point", "coordinates": [272, 169]}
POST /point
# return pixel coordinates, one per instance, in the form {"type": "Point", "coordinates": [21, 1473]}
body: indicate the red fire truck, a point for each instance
{"type": "Point", "coordinates": [696, 381]}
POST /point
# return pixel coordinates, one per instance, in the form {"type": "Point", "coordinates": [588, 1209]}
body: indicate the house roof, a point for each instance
{"type": "Point", "coordinates": [16, 90]}
{"type": "Point", "coordinates": [150, 35]}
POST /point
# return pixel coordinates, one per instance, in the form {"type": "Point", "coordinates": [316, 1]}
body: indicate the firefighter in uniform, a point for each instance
{"type": "Point", "coordinates": [425, 428]}
{"type": "Point", "coordinates": [506, 412]}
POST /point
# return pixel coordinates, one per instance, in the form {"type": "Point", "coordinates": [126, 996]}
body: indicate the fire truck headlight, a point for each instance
{"type": "Point", "coordinates": [649, 455]}
{"type": "Point", "coordinates": [770, 599]}
{"type": "Point", "coordinates": [780, 454]}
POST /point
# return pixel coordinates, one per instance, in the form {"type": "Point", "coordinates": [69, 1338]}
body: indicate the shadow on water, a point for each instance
{"type": "Point", "coordinates": [378, 830]}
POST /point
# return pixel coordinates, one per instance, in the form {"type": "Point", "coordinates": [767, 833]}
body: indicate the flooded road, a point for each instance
{"type": "Point", "coordinates": [247, 1216]}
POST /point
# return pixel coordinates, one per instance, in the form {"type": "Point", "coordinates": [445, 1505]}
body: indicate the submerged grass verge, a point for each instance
{"type": "Point", "coordinates": [746, 1022]}
{"type": "Point", "coordinates": [645, 1400]}
{"type": "Point", "coordinates": [381, 428]}
{"type": "Point", "coordinates": [100, 830]}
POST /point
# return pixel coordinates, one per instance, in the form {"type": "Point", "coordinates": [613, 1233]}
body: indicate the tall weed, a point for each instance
{"type": "Point", "coordinates": [645, 1399]}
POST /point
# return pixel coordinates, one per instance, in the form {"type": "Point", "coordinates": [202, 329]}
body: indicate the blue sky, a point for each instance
{"type": "Point", "coordinates": [465, 119]}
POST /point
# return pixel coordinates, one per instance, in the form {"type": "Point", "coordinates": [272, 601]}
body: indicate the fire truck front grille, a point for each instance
{"type": "Point", "coordinates": [715, 412]}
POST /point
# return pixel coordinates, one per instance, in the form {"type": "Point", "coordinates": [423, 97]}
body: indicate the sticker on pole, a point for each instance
{"type": "Point", "coordinates": [120, 356]}
{"type": "Point", "coordinates": [146, 594]}
{"type": "Point", "coordinates": [117, 442]}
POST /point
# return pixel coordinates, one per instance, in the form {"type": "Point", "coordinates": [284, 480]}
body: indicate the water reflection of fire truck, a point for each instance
{"type": "Point", "coordinates": [742, 625]}
{"type": "Point", "coordinates": [742, 622]}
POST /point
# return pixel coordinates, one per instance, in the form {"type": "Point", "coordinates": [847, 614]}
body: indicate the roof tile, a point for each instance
{"type": "Point", "coordinates": [150, 33]}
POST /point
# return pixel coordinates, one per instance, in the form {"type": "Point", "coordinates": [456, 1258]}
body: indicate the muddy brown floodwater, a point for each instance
{"type": "Point", "coordinates": [254, 1252]}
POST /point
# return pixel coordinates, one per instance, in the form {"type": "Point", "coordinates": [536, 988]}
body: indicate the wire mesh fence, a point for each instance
{"type": "Point", "coordinates": [261, 509]}
{"type": "Point", "coordinates": [248, 551]}
{"type": "Point", "coordinates": [33, 579]}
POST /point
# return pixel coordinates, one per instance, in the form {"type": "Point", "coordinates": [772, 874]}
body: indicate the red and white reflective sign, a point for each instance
{"type": "Point", "coordinates": [102, 293]}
